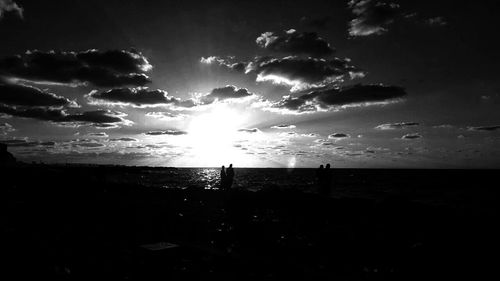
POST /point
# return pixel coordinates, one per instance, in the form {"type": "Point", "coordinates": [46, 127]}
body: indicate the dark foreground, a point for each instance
{"type": "Point", "coordinates": [72, 224]}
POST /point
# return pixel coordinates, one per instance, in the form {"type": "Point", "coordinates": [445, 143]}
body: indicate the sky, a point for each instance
{"type": "Point", "coordinates": [358, 84]}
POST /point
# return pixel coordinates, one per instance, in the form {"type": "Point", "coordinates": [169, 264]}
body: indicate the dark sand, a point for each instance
{"type": "Point", "coordinates": [71, 224]}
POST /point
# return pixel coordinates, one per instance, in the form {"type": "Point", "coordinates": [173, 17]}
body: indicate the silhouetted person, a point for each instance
{"type": "Point", "coordinates": [319, 176]}
{"type": "Point", "coordinates": [223, 178]}
{"type": "Point", "coordinates": [324, 180]}
{"type": "Point", "coordinates": [229, 176]}
{"type": "Point", "coordinates": [328, 179]}
{"type": "Point", "coordinates": [6, 158]}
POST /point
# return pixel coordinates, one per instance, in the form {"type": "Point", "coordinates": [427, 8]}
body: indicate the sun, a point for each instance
{"type": "Point", "coordinates": [216, 128]}
{"type": "Point", "coordinates": [212, 135]}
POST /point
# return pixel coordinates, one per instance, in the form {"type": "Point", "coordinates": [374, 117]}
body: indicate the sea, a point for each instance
{"type": "Point", "coordinates": [458, 188]}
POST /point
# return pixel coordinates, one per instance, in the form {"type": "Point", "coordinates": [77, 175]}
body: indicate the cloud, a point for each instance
{"type": "Point", "coordinates": [298, 72]}
{"type": "Point", "coordinates": [90, 144]}
{"type": "Point", "coordinates": [295, 43]}
{"type": "Point", "coordinates": [124, 139]}
{"type": "Point", "coordinates": [372, 17]}
{"type": "Point", "coordinates": [309, 135]}
{"type": "Point", "coordinates": [98, 118]}
{"type": "Point", "coordinates": [46, 114]}
{"type": "Point", "coordinates": [227, 62]}
{"type": "Point", "coordinates": [9, 6]}
{"type": "Point", "coordinates": [23, 95]}
{"type": "Point", "coordinates": [252, 130]}
{"type": "Point", "coordinates": [339, 136]}
{"type": "Point", "coordinates": [484, 128]}
{"type": "Point", "coordinates": [19, 143]}
{"type": "Point", "coordinates": [6, 128]}
{"type": "Point", "coordinates": [224, 93]}
{"type": "Point", "coordinates": [166, 132]}
{"type": "Point", "coordinates": [138, 97]}
{"type": "Point", "coordinates": [283, 126]}
{"type": "Point", "coordinates": [288, 134]}
{"type": "Point", "coordinates": [304, 73]}
{"type": "Point", "coordinates": [393, 126]}
{"type": "Point", "coordinates": [165, 115]}
{"type": "Point", "coordinates": [113, 68]}
{"type": "Point", "coordinates": [330, 99]}
{"type": "Point", "coordinates": [436, 21]}
{"type": "Point", "coordinates": [100, 134]}
{"type": "Point", "coordinates": [411, 136]}
{"type": "Point", "coordinates": [26, 143]}
{"type": "Point", "coordinates": [443, 126]}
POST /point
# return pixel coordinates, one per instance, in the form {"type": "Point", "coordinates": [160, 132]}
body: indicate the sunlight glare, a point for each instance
{"type": "Point", "coordinates": [212, 135]}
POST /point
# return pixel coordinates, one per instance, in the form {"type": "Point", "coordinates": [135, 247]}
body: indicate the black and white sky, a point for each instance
{"type": "Point", "coordinates": [355, 83]}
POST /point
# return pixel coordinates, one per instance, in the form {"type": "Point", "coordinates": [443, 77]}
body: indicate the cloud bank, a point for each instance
{"type": "Point", "coordinates": [9, 6]}
{"type": "Point", "coordinates": [113, 68]}
{"type": "Point", "coordinates": [23, 95]}
{"type": "Point", "coordinates": [138, 97]}
{"type": "Point", "coordinates": [372, 17]}
{"type": "Point", "coordinates": [166, 132]}
{"type": "Point", "coordinates": [394, 126]}
{"type": "Point", "coordinates": [295, 43]}
{"type": "Point", "coordinates": [330, 99]}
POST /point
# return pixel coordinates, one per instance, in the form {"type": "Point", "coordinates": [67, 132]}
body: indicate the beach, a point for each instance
{"type": "Point", "coordinates": [81, 222]}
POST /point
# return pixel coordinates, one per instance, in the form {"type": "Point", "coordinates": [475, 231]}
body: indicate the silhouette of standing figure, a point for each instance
{"type": "Point", "coordinates": [223, 178]}
{"type": "Point", "coordinates": [327, 182]}
{"type": "Point", "coordinates": [319, 176]}
{"type": "Point", "coordinates": [6, 158]}
{"type": "Point", "coordinates": [229, 176]}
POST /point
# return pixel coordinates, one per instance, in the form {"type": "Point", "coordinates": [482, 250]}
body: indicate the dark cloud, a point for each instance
{"type": "Point", "coordinates": [45, 114]}
{"type": "Point", "coordinates": [227, 62]}
{"type": "Point", "coordinates": [484, 128]}
{"type": "Point", "coordinates": [9, 6]}
{"type": "Point", "coordinates": [114, 68]}
{"type": "Point", "coordinates": [372, 16]}
{"type": "Point", "coordinates": [17, 142]}
{"type": "Point", "coordinates": [295, 43]}
{"type": "Point", "coordinates": [123, 139]}
{"type": "Point", "coordinates": [283, 126]}
{"type": "Point", "coordinates": [166, 132]}
{"type": "Point", "coordinates": [338, 136]}
{"type": "Point", "coordinates": [393, 126]}
{"type": "Point", "coordinates": [298, 72]}
{"type": "Point", "coordinates": [224, 93]}
{"type": "Point", "coordinates": [23, 95]}
{"type": "Point", "coordinates": [97, 118]}
{"type": "Point", "coordinates": [253, 130]}
{"type": "Point", "coordinates": [304, 72]}
{"type": "Point", "coordinates": [338, 97]}
{"type": "Point", "coordinates": [411, 136]}
{"type": "Point", "coordinates": [90, 144]}
{"type": "Point", "coordinates": [26, 143]}
{"type": "Point", "coordinates": [133, 96]}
